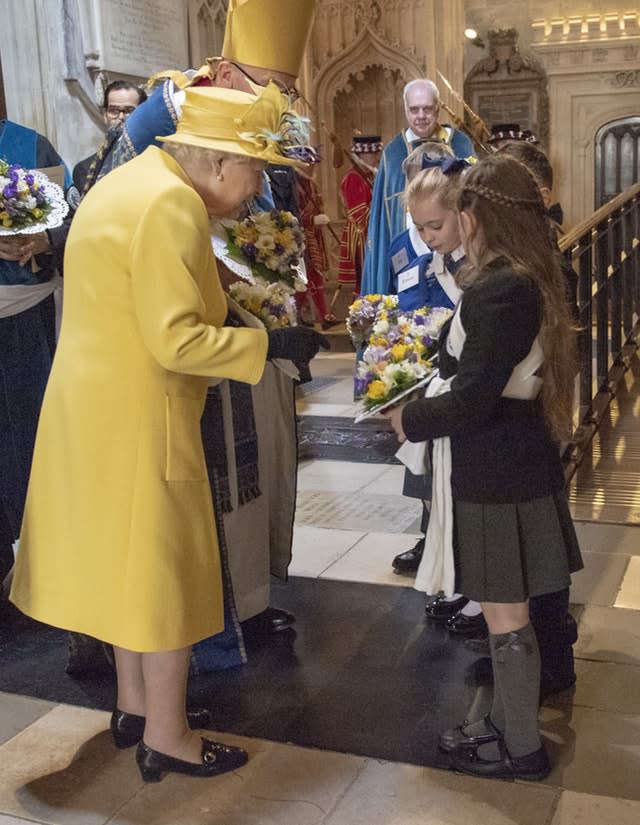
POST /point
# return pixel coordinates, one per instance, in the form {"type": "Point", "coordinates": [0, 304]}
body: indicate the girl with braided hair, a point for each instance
{"type": "Point", "coordinates": [507, 366]}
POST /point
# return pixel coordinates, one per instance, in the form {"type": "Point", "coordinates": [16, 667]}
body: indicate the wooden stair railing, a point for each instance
{"type": "Point", "coordinates": [604, 250]}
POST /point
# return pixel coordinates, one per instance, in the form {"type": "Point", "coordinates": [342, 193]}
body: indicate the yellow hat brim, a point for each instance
{"type": "Point", "coordinates": [233, 147]}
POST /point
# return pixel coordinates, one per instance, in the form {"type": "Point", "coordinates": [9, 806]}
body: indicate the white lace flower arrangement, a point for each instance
{"type": "Point", "coordinates": [29, 201]}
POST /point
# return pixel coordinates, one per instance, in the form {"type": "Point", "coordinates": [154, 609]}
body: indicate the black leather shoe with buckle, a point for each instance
{"type": "Point", "coordinates": [462, 625]}
{"type": "Point", "coordinates": [440, 610]}
{"type": "Point", "coordinates": [458, 737]}
{"type": "Point", "coordinates": [216, 759]}
{"type": "Point", "coordinates": [532, 767]}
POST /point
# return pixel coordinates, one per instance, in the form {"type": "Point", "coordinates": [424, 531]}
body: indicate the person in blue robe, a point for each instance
{"type": "Point", "coordinates": [27, 333]}
{"type": "Point", "coordinates": [388, 212]}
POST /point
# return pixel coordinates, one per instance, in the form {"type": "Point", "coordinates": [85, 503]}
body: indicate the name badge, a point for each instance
{"type": "Point", "coordinates": [409, 278]}
{"type": "Point", "coordinates": [399, 260]}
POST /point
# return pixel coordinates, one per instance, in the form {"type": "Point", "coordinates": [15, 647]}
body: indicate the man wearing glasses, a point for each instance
{"type": "Point", "coordinates": [121, 98]}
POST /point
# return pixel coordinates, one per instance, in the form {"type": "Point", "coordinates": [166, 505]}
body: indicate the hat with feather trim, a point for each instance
{"type": "Point", "coordinates": [243, 124]}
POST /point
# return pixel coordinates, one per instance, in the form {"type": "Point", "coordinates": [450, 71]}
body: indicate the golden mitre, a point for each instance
{"type": "Point", "coordinates": [271, 34]}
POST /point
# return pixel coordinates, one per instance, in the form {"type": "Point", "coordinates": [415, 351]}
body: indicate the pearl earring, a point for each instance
{"type": "Point", "coordinates": [219, 176]}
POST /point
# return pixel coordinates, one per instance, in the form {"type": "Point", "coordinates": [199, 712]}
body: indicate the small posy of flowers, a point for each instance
{"type": "Point", "coordinates": [363, 313]}
{"type": "Point", "coordinates": [271, 243]}
{"type": "Point", "coordinates": [23, 202]}
{"type": "Point", "coordinates": [273, 304]}
{"type": "Point", "coordinates": [398, 353]}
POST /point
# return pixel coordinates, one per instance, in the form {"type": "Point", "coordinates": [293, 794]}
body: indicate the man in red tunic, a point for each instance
{"type": "Point", "coordinates": [312, 218]}
{"type": "Point", "coordinates": [356, 188]}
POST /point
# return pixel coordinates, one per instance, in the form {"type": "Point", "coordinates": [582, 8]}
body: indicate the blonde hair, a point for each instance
{"type": "Point", "coordinates": [433, 184]}
{"type": "Point", "coordinates": [503, 197]}
{"type": "Point", "coordinates": [432, 149]}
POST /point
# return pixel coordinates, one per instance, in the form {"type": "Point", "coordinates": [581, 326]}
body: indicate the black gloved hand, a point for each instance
{"type": "Point", "coordinates": [295, 343]}
{"type": "Point", "coordinates": [304, 373]}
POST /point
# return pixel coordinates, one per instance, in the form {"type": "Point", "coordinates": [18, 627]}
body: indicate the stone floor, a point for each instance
{"type": "Point", "coordinates": [58, 764]}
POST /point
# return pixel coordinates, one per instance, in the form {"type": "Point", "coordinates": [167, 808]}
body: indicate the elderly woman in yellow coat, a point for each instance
{"type": "Point", "coordinates": [118, 531]}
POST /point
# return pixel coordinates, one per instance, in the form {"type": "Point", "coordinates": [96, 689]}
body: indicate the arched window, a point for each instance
{"type": "Point", "coordinates": [617, 158]}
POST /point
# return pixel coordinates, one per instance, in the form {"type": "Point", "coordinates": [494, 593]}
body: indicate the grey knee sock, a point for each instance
{"type": "Point", "coordinates": [516, 672]}
{"type": "Point", "coordinates": [497, 707]}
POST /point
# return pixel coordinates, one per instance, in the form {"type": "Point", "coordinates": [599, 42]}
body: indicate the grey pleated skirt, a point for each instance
{"type": "Point", "coordinates": [509, 552]}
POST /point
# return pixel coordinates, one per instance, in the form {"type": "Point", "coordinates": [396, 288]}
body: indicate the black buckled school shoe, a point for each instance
{"type": "Point", "coordinates": [455, 738]}
{"type": "Point", "coordinates": [216, 759]}
{"type": "Point", "coordinates": [532, 767]}
{"type": "Point", "coordinates": [127, 729]}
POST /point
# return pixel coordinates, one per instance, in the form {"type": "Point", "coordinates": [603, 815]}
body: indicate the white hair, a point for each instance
{"type": "Point", "coordinates": [421, 81]}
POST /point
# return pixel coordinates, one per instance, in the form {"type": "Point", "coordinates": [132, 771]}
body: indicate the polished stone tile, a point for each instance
{"type": "Point", "coordinates": [599, 581]}
{"type": "Point", "coordinates": [593, 751]}
{"type": "Point", "coordinates": [629, 595]}
{"type": "Point", "coordinates": [586, 809]}
{"type": "Point", "coordinates": [608, 538]}
{"type": "Point", "coordinates": [609, 634]}
{"type": "Point", "coordinates": [353, 511]}
{"type": "Point", "coordinates": [337, 476]}
{"type": "Point", "coordinates": [604, 686]}
{"type": "Point", "coordinates": [396, 794]}
{"type": "Point", "coordinates": [18, 712]}
{"type": "Point", "coordinates": [281, 785]}
{"type": "Point", "coordinates": [308, 406]}
{"type": "Point", "coordinates": [370, 560]}
{"type": "Point", "coordinates": [316, 548]}
{"type": "Point", "coordinates": [64, 769]}
{"type": "Point", "coordinates": [388, 483]}
{"type": "Point", "coordinates": [340, 392]}
{"type": "Point", "coordinates": [334, 364]}
{"type": "Point", "coordinates": [13, 820]}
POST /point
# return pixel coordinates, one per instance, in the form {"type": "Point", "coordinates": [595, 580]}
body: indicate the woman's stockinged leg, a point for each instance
{"type": "Point", "coordinates": [165, 685]}
{"type": "Point", "coordinates": [131, 696]}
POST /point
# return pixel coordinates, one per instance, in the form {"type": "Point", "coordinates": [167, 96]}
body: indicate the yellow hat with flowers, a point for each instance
{"type": "Point", "coordinates": [271, 34]}
{"type": "Point", "coordinates": [243, 124]}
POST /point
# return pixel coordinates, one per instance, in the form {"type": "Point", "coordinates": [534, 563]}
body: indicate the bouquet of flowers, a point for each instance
{"type": "Point", "coordinates": [29, 201]}
{"type": "Point", "coordinates": [273, 304]}
{"type": "Point", "coordinates": [271, 243]}
{"type": "Point", "coordinates": [398, 356]}
{"type": "Point", "coordinates": [363, 313]}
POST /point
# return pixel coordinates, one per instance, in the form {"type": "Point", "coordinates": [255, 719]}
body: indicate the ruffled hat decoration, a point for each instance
{"type": "Point", "coordinates": [243, 124]}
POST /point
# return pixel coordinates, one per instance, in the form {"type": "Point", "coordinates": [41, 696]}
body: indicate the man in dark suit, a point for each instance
{"type": "Point", "coordinates": [120, 99]}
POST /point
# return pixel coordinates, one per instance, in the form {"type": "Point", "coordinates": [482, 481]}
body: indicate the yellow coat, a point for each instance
{"type": "Point", "coordinates": [118, 539]}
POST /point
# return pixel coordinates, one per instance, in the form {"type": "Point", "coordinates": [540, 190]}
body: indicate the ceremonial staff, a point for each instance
{"type": "Point", "coordinates": [483, 132]}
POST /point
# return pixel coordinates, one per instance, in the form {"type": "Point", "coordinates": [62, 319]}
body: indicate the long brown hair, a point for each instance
{"type": "Point", "coordinates": [503, 197]}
